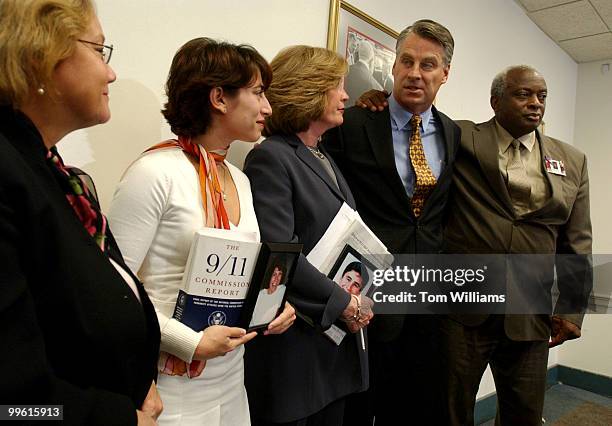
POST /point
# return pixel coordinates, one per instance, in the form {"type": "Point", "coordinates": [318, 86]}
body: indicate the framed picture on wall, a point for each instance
{"type": "Point", "coordinates": [368, 46]}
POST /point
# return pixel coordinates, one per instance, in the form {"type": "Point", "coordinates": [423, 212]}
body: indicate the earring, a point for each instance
{"type": "Point", "coordinates": [40, 91]}
{"type": "Point", "coordinates": [224, 110]}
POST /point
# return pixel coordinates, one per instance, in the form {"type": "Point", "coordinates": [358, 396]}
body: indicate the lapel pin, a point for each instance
{"type": "Point", "coordinates": [555, 167]}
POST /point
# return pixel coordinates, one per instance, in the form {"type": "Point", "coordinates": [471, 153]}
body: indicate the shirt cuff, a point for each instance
{"type": "Point", "coordinates": [180, 340]}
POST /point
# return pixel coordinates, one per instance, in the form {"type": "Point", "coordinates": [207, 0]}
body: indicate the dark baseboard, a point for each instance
{"type": "Point", "coordinates": [586, 380]}
{"type": "Point", "coordinates": [596, 383]}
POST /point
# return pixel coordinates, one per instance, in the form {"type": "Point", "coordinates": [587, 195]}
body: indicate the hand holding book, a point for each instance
{"type": "Point", "coordinates": [217, 340]}
{"type": "Point", "coordinates": [216, 294]}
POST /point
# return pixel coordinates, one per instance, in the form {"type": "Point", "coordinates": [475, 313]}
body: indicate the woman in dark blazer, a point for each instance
{"type": "Point", "coordinates": [76, 326]}
{"type": "Point", "coordinates": [302, 376]}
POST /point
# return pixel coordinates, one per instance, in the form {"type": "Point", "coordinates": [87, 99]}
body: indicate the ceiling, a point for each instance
{"type": "Point", "coordinates": [582, 28]}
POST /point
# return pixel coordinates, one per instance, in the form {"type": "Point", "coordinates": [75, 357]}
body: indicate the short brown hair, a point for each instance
{"type": "Point", "coordinates": [199, 66]}
{"type": "Point", "coordinates": [35, 35]}
{"type": "Point", "coordinates": [298, 93]}
{"type": "Point", "coordinates": [433, 31]}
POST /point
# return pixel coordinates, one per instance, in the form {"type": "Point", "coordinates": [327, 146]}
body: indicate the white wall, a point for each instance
{"type": "Point", "coordinates": [594, 137]}
{"type": "Point", "coordinates": [146, 34]}
{"type": "Point", "coordinates": [489, 35]}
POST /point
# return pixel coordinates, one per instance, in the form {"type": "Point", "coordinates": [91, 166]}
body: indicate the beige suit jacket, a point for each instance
{"type": "Point", "coordinates": [482, 220]}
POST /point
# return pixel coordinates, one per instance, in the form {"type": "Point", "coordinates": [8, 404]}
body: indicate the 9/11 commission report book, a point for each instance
{"type": "Point", "coordinates": [217, 277]}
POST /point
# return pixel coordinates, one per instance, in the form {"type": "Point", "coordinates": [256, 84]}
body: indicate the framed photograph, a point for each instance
{"type": "Point", "coordinates": [268, 289]}
{"type": "Point", "coordinates": [368, 46]}
{"type": "Point", "coordinates": [353, 272]}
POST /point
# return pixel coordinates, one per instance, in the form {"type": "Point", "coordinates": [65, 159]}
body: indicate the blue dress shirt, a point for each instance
{"type": "Point", "coordinates": [431, 137]}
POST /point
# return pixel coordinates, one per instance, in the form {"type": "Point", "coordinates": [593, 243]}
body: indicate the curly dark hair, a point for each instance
{"type": "Point", "coordinates": [199, 66]}
{"type": "Point", "coordinates": [276, 262]}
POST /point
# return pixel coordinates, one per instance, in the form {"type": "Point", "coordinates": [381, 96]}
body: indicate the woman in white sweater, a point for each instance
{"type": "Point", "coordinates": [215, 96]}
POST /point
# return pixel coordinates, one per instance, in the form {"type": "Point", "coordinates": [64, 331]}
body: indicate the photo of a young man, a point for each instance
{"type": "Point", "coordinates": [271, 294]}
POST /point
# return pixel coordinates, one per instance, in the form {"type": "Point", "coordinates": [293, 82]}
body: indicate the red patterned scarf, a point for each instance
{"type": "Point", "coordinates": [209, 184]}
{"type": "Point", "coordinates": [208, 175]}
{"type": "Point", "coordinates": [85, 206]}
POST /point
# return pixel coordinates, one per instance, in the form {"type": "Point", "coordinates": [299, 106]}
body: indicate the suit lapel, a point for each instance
{"type": "Point", "coordinates": [344, 188]}
{"type": "Point", "coordinates": [487, 153]}
{"type": "Point", "coordinates": [33, 153]}
{"type": "Point", "coordinates": [447, 134]}
{"type": "Point", "coordinates": [449, 148]}
{"type": "Point", "coordinates": [550, 149]}
{"type": "Point", "coordinates": [378, 130]}
{"type": "Point", "coordinates": [315, 165]}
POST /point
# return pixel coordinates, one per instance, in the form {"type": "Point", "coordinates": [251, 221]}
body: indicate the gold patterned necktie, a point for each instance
{"type": "Point", "coordinates": [425, 180]}
{"type": "Point", "coordinates": [519, 186]}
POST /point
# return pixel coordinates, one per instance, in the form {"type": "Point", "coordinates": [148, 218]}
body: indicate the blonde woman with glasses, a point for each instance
{"type": "Point", "coordinates": [77, 327]}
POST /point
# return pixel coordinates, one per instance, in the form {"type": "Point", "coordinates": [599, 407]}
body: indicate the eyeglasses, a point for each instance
{"type": "Point", "coordinates": [105, 51]}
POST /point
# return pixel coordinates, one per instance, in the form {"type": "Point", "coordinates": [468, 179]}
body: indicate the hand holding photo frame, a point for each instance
{"type": "Point", "coordinates": [353, 273]}
{"type": "Point", "coordinates": [224, 275]}
{"type": "Point", "coordinates": [268, 291]}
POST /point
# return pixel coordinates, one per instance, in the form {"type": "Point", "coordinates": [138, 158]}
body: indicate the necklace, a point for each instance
{"type": "Point", "coordinates": [224, 185]}
{"type": "Point", "coordinates": [315, 150]}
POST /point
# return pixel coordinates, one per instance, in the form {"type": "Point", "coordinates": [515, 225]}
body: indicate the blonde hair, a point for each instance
{"type": "Point", "coordinates": [35, 35]}
{"type": "Point", "coordinates": [302, 75]}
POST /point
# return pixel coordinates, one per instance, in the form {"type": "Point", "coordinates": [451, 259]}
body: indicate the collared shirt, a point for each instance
{"type": "Point", "coordinates": [431, 137]}
{"type": "Point", "coordinates": [532, 161]}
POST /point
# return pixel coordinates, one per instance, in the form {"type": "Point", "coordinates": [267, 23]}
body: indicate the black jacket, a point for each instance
{"type": "Point", "coordinates": [363, 149]}
{"type": "Point", "coordinates": [72, 330]}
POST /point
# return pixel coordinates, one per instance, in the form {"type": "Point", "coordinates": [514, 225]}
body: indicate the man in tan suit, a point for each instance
{"type": "Point", "coordinates": [517, 192]}
{"type": "Point", "coordinates": [521, 194]}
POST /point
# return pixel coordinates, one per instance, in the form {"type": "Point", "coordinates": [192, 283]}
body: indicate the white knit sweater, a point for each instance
{"type": "Point", "coordinates": [155, 211]}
